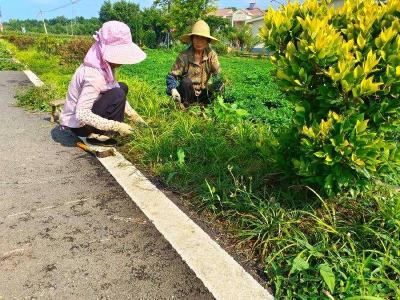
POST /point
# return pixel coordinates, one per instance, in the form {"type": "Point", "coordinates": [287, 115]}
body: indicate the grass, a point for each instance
{"type": "Point", "coordinates": [7, 62]}
{"type": "Point", "coordinates": [234, 165]}
{"type": "Point", "coordinates": [50, 70]}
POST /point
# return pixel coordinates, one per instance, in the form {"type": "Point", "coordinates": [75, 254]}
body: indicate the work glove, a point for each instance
{"type": "Point", "coordinates": [138, 120]}
{"type": "Point", "coordinates": [175, 95]}
{"type": "Point", "coordinates": [124, 129]}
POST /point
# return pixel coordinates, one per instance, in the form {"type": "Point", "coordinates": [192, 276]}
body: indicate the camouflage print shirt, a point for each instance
{"type": "Point", "coordinates": [185, 66]}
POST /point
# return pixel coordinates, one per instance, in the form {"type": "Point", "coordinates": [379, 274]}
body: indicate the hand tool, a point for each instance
{"type": "Point", "coordinates": [100, 154]}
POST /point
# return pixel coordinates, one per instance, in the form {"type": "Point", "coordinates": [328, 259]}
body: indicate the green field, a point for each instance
{"type": "Point", "coordinates": [248, 83]}
{"type": "Point", "coordinates": [238, 166]}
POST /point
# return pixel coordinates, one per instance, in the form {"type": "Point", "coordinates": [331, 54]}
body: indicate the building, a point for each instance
{"type": "Point", "coordinates": [225, 13]}
{"type": "Point", "coordinates": [239, 16]}
{"type": "Point", "coordinates": [256, 24]}
{"type": "Point", "coordinates": [254, 11]}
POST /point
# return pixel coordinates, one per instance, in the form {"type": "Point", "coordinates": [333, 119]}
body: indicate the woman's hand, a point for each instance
{"type": "Point", "coordinates": [124, 129]}
{"type": "Point", "coordinates": [138, 120]}
{"type": "Point", "coordinates": [175, 95]}
{"type": "Point", "coordinates": [177, 98]}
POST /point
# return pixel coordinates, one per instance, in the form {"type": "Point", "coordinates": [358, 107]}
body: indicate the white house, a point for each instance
{"type": "Point", "coordinates": [256, 24]}
{"type": "Point", "coordinates": [239, 16]}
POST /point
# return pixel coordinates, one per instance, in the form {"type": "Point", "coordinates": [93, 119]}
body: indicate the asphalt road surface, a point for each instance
{"type": "Point", "coordinates": [67, 229]}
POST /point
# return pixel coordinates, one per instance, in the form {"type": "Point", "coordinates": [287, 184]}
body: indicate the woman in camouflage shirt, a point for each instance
{"type": "Point", "coordinates": [188, 81]}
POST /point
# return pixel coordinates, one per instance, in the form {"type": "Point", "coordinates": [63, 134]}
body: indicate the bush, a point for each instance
{"type": "Point", "coordinates": [49, 44]}
{"type": "Point", "coordinates": [221, 47]}
{"type": "Point", "coordinates": [242, 37]}
{"type": "Point", "coordinates": [341, 68]}
{"type": "Point", "coordinates": [75, 50]}
{"type": "Point", "coordinates": [342, 152]}
{"type": "Point", "coordinates": [150, 39]}
{"type": "Point", "coordinates": [22, 42]}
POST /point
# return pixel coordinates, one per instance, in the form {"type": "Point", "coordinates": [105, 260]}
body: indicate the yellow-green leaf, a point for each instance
{"type": "Point", "coordinates": [282, 75]}
{"type": "Point", "coordinates": [319, 154]}
{"type": "Point", "coordinates": [303, 75]}
{"type": "Point", "coordinates": [357, 161]}
{"type": "Point", "coordinates": [369, 87]}
{"type": "Point", "coordinates": [370, 63]}
{"type": "Point", "coordinates": [308, 131]}
{"type": "Point", "coordinates": [361, 41]}
{"type": "Point", "coordinates": [298, 82]}
{"type": "Point", "coordinates": [325, 127]}
{"type": "Point", "coordinates": [361, 126]}
{"type": "Point", "coordinates": [358, 72]}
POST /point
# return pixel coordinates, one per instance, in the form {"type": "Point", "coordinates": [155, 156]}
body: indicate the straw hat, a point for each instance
{"type": "Point", "coordinates": [201, 28]}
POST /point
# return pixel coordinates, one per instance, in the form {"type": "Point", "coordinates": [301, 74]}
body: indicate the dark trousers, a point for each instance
{"type": "Point", "coordinates": [188, 96]}
{"type": "Point", "coordinates": [111, 106]}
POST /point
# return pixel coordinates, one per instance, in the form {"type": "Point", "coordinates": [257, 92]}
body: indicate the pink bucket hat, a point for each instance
{"type": "Point", "coordinates": [118, 46]}
{"type": "Point", "coordinates": [113, 45]}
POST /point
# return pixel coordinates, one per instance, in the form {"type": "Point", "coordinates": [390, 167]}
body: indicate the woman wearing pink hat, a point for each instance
{"type": "Point", "coordinates": [96, 102]}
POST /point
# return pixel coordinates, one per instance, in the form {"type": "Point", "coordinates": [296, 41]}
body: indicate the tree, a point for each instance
{"type": "Point", "coordinates": [218, 24]}
{"type": "Point", "coordinates": [126, 12]}
{"type": "Point", "coordinates": [106, 12]}
{"type": "Point", "coordinates": [163, 4]}
{"type": "Point", "coordinates": [184, 13]}
{"type": "Point", "coordinates": [242, 37]}
{"type": "Point", "coordinates": [155, 26]}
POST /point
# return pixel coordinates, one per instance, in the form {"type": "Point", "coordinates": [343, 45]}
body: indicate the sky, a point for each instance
{"type": "Point", "coordinates": [29, 9]}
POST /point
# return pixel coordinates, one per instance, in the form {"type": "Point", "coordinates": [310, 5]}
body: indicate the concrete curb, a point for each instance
{"type": "Point", "coordinates": [33, 77]}
{"type": "Point", "coordinates": [219, 272]}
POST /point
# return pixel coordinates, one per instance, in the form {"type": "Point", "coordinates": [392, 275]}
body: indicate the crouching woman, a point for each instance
{"type": "Point", "coordinates": [188, 81]}
{"type": "Point", "coordinates": [96, 102]}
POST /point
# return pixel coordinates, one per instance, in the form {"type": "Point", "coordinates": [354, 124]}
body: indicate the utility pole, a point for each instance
{"type": "Point", "coordinates": [44, 23]}
{"type": "Point", "coordinates": [73, 16]}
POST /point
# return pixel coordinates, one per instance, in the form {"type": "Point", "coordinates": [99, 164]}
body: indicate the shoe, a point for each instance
{"type": "Point", "coordinates": [101, 140]}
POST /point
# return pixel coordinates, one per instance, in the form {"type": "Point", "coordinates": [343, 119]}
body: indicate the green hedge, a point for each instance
{"type": "Point", "coordinates": [341, 67]}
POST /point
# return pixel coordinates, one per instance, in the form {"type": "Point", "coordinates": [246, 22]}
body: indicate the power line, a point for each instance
{"type": "Point", "coordinates": [72, 2]}
{"type": "Point", "coordinates": [280, 3]}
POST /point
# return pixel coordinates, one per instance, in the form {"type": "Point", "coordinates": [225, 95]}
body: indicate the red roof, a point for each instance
{"type": "Point", "coordinates": [255, 12]}
{"type": "Point", "coordinates": [222, 12]}
{"type": "Point", "coordinates": [227, 12]}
